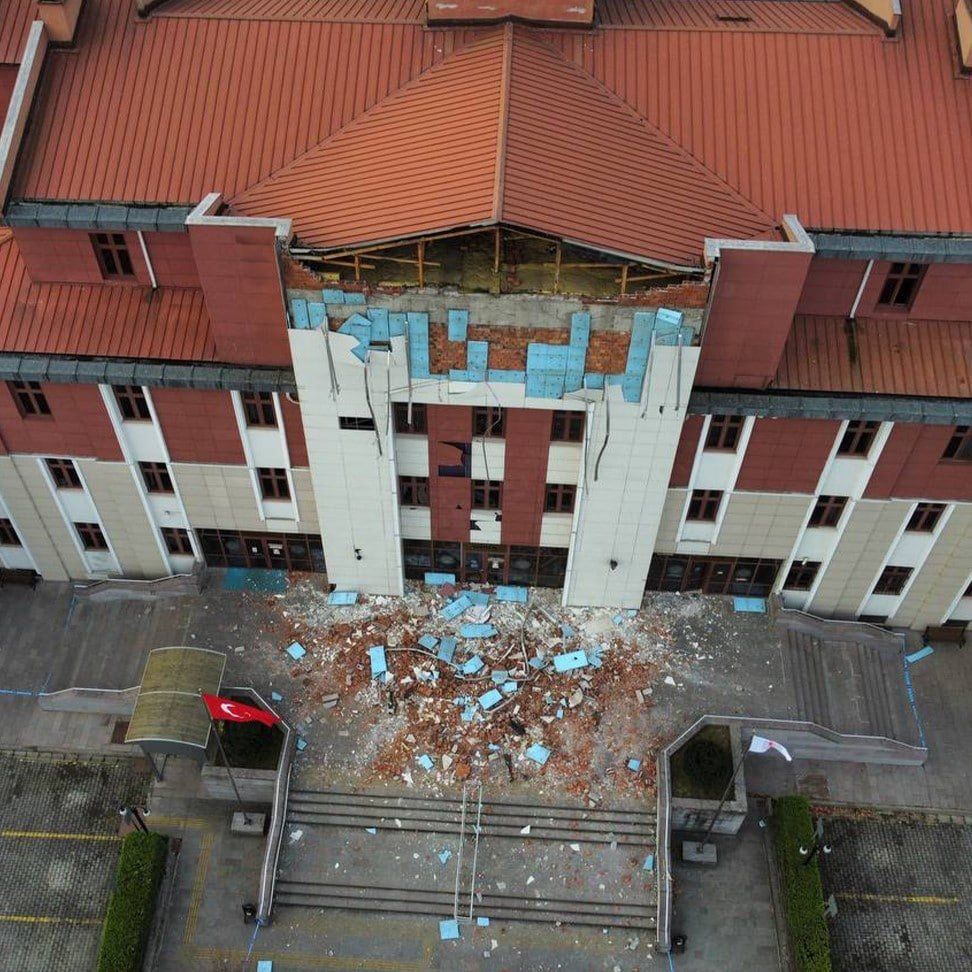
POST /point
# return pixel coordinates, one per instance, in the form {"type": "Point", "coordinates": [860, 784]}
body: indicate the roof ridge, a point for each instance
{"type": "Point", "coordinates": [361, 119]}
{"type": "Point", "coordinates": [504, 122]}
{"type": "Point", "coordinates": [583, 73]}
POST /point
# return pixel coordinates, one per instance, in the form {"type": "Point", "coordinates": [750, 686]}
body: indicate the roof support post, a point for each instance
{"type": "Point", "coordinates": [557, 258]}
{"type": "Point", "coordinates": [421, 262]}
{"type": "Point", "coordinates": [624, 279]}
{"type": "Point", "coordinates": [497, 249]}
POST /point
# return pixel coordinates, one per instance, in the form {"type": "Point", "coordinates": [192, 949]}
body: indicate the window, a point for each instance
{"type": "Point", "coordinates": [892, 580]}
{"type": "Point", "coordinates": [489, 421]}
{"type": "Point", "coordinates": [177, 541]}
{"type": "Point", "coordinates": [827, 511]}
{"type": "Point", "coordinates": [567, 426]}
{"type": "Point", "coordinates": [704, 505]}
{"type": "Point", "coordinates": [802, 576]}
{"type": "Point", "coordinates": [560, 498]}
{"type": "Point", "coordinates": [857, 439]}
{"type": "Point", "coordinates": [131, 402]}
{"type": "Point", "coordinates": [724, 432]}
{"type": "Point", "coordinates": [413, 490]}
{"type": "Point", "coordinates": [712, 575]}
{"type": "Point", "coordinates": [960, 444]}
{"type": "Point", "coordinates": [91, 536]}
{"type": "Point", "coordinates": [487, 494]}
{"type": "Point", "coordinates": [273, 483]}
{"type": "Point", "coordinates": [925, 517]}
{"type": "Point", "coordinates": [357, 422]}
{"type": "Point", "coordinates": [901, 285]}
{"type": "Point", "coordinates": [8, 535]}
{"type": "Point", "coordinates": [113, 256]}
{"type": "Point", "coordinates": [420, 424]}
{"type": "Point", "coordinates": [64, 473]}
{"type": "Point", "coordinates": [258, 409]}
{"type": "Point", "coordinates": [156, 476]}
{"type": "Point", "coordinates": [29, 397]}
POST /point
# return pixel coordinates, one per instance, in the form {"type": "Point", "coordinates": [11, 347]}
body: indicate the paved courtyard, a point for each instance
{"type": "Point", "coordinates": [58, 850]}
{"type": "Point", "coordinates": [904, 894]}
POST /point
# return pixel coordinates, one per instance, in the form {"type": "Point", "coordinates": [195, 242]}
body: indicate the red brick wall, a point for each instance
{"type": "Point", "coordinates": [294, 431]}
{"type": "Point", "coordinates": [911, 466]}
{"type": "Point", "coordinates": [199, 426]}
{"type": "Point", "coordinates": [752, 309]}
{"type": "Point", "coordinates": [450, 498]}
{"type": "Point", "coordinates": [77, 426]}
{"type": "Point", "coordinates": [240, 277]}
{"type": "Point", "coordinates": [172, 259]}
{"type": "Point", "coordinates": [786, 455]}
{"type": "Point", "coordinates": [831, 286]}
{"type": "Point", "coordinates": [685, 453]}
{"type": "Point", "coordinates": [525, 474]}
{"type": "Point", "coordinates": [67, 256]}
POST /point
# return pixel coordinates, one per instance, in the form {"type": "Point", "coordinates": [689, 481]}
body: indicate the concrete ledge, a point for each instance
{"type": "Point", "coordinates": [256, 786]}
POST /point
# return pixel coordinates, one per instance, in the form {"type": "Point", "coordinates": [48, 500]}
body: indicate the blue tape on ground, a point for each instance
{"type": "Point", "coordinates": [914, 704]}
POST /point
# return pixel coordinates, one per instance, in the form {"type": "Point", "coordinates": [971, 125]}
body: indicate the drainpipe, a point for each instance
{"type": "Point", "coordinates": [148, 260]}
{"type": "Point", "coordinates": [860, 290]}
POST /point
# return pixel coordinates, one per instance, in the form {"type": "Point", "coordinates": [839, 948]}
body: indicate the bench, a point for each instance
{"type": "Point", "coordinates": [18, 575]}
{"type": "Point", "coordinates": [952, 634]}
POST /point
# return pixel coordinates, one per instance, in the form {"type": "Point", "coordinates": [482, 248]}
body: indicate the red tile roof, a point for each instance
{"type": "Point", "coordinates": [802, 108]}
{"type": "Point", "coordinates": [15, 21]}
{"type": "Point", "coordinates": [93, 320]}
{"type": "Point", "coordinates": [500, 132]}
{"type": "Point", "coordinates": [887, 356]}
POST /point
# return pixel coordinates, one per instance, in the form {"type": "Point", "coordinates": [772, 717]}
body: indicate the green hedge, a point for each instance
{"type": "Point", "coordinates": [802, 889]}
{"type": "Point", "coordinates": [132, 904]}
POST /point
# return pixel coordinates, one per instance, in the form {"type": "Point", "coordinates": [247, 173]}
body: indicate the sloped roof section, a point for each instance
{"type": "Point", "coordinates": [424, 159]}
{"type": "Point", "coordinates": [507, 131]}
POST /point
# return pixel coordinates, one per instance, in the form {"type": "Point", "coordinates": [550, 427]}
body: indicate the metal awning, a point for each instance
{"type": "Point", "coordinates": [169, 717]}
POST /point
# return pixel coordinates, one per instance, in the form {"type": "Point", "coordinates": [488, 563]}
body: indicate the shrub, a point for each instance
{"type": "Point", "coordinates": [802, 889]}
{"type": "Point", "coordinates": [132, 903]}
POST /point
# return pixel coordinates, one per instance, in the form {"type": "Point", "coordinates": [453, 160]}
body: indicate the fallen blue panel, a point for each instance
{"type": "Point", "coordinates": [477, 355]}
{"type": "Point", "coordinates": [518, 594]}
{"type": "Point", "coordinates": [458, 325]}
{"type": "Point", "coordinates": [488, 699]}
{"type": "Point", "coordinates": [298, 310]}
{"type": "Point", "coordinates": [447, 648]}
{"type": "Point", "coordinates": [428, 641]}
{"type": "Point", "coordinates": [418, 344]}
{"type": "Point", "coordinates": [296, 650]}
{"type": "Point", "coordinates": [504, 376]}
{"type": "Point", "coordinates": [448, 929]}
{"type": "Point", "coordinates": [634, 765]}
{"type": "Point", "coordinates": [444, 855]}
{"type": "Point", "coordinates": [570, 660]}
{"type": "Point", "coordinates": [301, 744]}
{"type": "Point", "coordinates": [750, 605]}
{"type": "Point", "coordinates": [539, 754]}
{"type": "Point", "coordinates": [477, 631]}
{"type": "Point", "coordinates": [469, 713]}
{"type": "Point", "coordinates": [434, 580]}
{"type": "Point", "coordinates": [379, 323]}
{"type": "Point", "coordinates": [546, 370]}
{"type": "Point", "coordinates": [537, 662]}
{"type": "Point", "coordinates": [425, 761]}
{"type": "Point", "coordinates": [265, 965]}
{"type": "Point", "coordinates": [276, 697]}
{"type": "Point", "coordinates": [333, 296]}
{"type": "Point", "coordinates": [360, 350]}
{"type": "Point", "coordinates": [499, 675]}
{"type": "Point", "coordinates": [378, 663]}
{"type": "Point", "coordinates": [472, 665]}
{"type": "Point", "coordinates": [318, 315]}
{"type": "Point", "coordinates": [649, 864]}
{"type": "Point", "coordinates": [396, 324]}
{"type": "Point", "coordinates": [921, 653]}
{"type": "Point", "coordinates": [478, 597]}
{"type": "Point", "coordinates": [483, 922]}
{"type": "Point", "coordinates": [509, 687]}
{"type": "Point", "coordinates": [342, 598]}
{"type": "Point", "coordinates": [454, 608]}
{"type": "Point", "coordinates": [255, 579]}
{"type": "Point", "coordinates": [355, 320]}
{"type": "Point", "coordinates": [638, 351]}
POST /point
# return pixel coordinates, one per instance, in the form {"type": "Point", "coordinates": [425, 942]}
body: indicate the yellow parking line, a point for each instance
{"type": "Point", "coordinates": [53, 835]}
{"type": "Point", "coordinates": [931, 899]}
{"type": "Point", "coordinates": [189, 823]}
{"type": "Point", "coordinates": [50, 920]}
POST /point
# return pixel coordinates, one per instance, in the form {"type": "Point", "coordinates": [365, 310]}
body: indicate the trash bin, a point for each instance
{"type": "Point", "coordinates": [678, 944]}
{"type": "Point", "coordinates": [249, 913]}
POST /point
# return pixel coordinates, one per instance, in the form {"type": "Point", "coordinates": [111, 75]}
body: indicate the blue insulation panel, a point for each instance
{"type": "Point", "coordinates": [396, 324]}
{"type": "Point", "coordinates": [350, 297]}
{"type": "Point", "coordinates": [318, 314]}
{"type": "Point", "coordinates": [333, 296]}
{"type": "Point", "coordinates": [546, 370]}
{"type": "Point", "coordinates": [298, 310]}
{"type": "Point", "coordinates": [458, 325]}
{"type": "Point", "coordinates": [593, 380]}
{"type": "Point", "coordinates": [580, 334]}
{"type": "Point", "coordinates": [456, 374]}
{"type": "Point", "coordinates": [477, 354]}
{"type": "Point", "coordinates": [418, 344]}
{"type": "Point", "coordinates": [510, 377]}
{"type": "Point", "coordinates": [379, 323]}
{"type": "Point", "coordinates": [510, 593]}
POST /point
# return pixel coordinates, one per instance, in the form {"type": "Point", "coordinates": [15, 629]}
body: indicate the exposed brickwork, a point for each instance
{"type": "Point", "coordinates": [685, 453]}
{"type": "Point", "coordinates": [450, 498]}
{"type": "Point", "coordinates": [786, 455]}
{"type": "Point", "coordinates": [199, 426]}
{"type": "Point", "coordinates": [77, 426]}
{"type": "Point", "coordinates": [688, 294]}
{"type": "Point", "coordinates": [525, 474]}
{"type": "Point", "coordinates": [911, 466]}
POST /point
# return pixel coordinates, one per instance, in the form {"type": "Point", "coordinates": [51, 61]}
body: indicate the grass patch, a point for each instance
{"type": "Point", "coordinates": [132, 903]}
{"type": "Point", "coordinates": [703, 766]}
{"type": "Point", "coordinates": [801, 887]}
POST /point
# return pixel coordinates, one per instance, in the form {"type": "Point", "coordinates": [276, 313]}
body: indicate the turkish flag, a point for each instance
{"type": "Point", "coordinates": [220, 708]}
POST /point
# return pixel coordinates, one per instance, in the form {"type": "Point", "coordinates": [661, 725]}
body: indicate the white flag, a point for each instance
{"type": "Point", "coordinates": [759, 744]}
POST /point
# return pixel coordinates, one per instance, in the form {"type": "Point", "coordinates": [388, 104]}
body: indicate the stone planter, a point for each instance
{"type": "Point", "coordinates": [694, 815]}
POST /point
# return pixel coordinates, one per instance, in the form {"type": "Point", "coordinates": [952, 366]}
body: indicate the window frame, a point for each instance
{"type": "Point", "coordinates": [274, 483]}
{"type": "Point", "coordinates": [822, 516]}
{"type": "Point", "coordinates": [8, 533]}
{"type": "Point", "coordinates": [723, 428]}
{"type": "Point", "coordinates": [64, 473]}
{"type": "Point", "coordinates": [30, 399]}
{"type": "Point", "coordinates": [113, 256]}
{"type": "Point", "coordinates": [132, 403]}
{"type": "Point", "coordinates": [559, 497]}
{"type": "Point", "coordinates": [858, 438]}
{"type": "Point", "coordinates": [420, 418]}
{"type": "Point", "coordinates": [356, 423]}
{"type": "Point", "coordinates": [567, 425]}
{"type": "Point", "coordinates": [413, 491]}
{"type": "Point", "coordinates": [259, 410]}
{"type": "Point", "coordinates": [92, 537]}
{"type": "Point", "coordinates": [801, 575]}
{"type": "Point", "coordinates": [959, 446]}
{"type": "Point", "coordinates": [177, 541]}
{"type": "Point", "coordinates": [700, 505]}
{"type": "Point", "coordinates": [925, 517]}
{"type": "Point", "coordinates": [489, 491]}
{"type": "Point", "coordinates": [909, 278]}
{"type": "Point", "coordinates": [157, 477]}
{"type": "Point", "coordinates": [892, 580]}
{"type": "Point", "coordinates": [488, 422]}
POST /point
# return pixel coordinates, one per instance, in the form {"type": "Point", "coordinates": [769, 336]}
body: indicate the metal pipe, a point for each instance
{"type": "Point", "coordinates": [148, 260]}
{"type": "Point", "coordinates": [860, 290]}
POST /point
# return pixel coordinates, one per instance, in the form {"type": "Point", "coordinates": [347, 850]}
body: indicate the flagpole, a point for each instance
{"type": "Point", "coordinates": [222, 753]}
{"type": "Point", "coordinates": [725, 793]}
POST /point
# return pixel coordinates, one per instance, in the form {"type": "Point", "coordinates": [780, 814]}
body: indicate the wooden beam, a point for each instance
{"type": "Point", "coordinates": [373, 247]}
{"type": "Point", "coordinates": [421, 262]}
{"type": "Point", "coordinates": [624, 279]}
{"type": "Point", "coordinates": [348, 263]}
{"type": "Point", "coordinates": [497, 250]}
{"type": "Point", "coordinates": [559, 254]}
{"type": "Point", "coordinates": [357, 266]}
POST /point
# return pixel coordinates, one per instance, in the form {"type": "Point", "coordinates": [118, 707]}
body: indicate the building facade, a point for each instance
{"type": "Point", "coordinates": [494, 303]}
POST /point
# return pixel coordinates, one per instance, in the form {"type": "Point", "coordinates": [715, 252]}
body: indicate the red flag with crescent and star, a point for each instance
{"type": "Point", "coordinates": [231, 711]}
